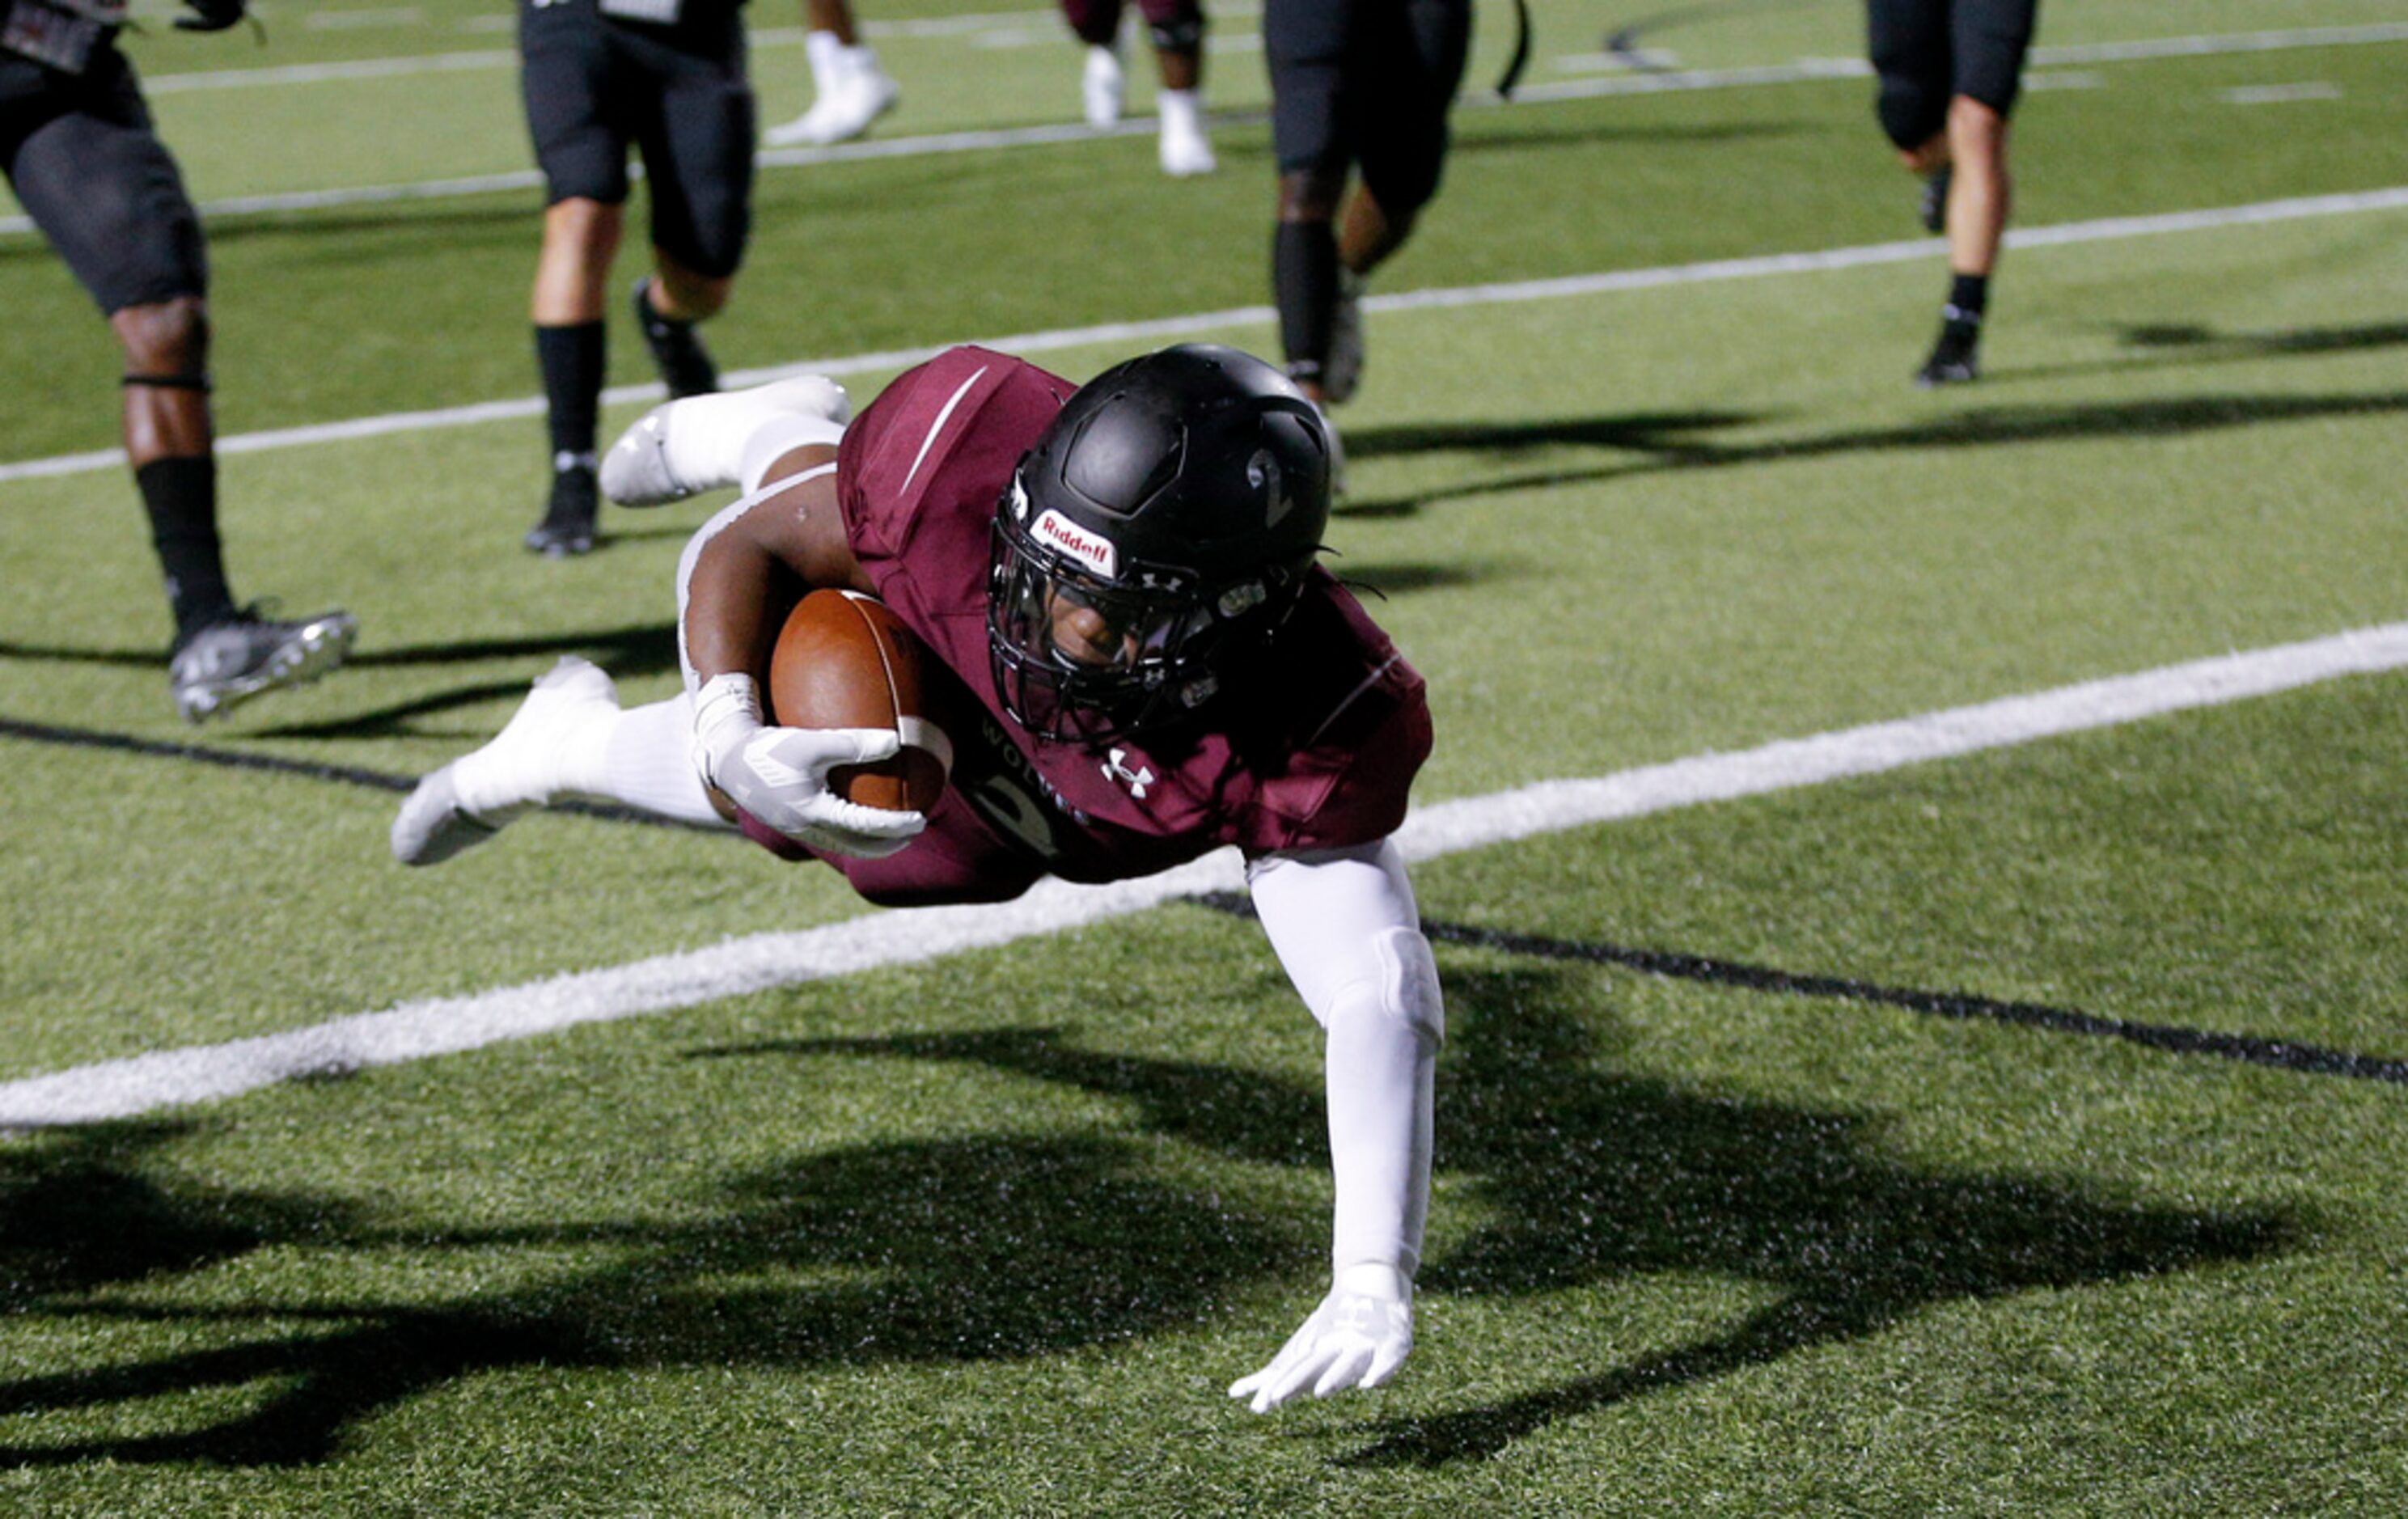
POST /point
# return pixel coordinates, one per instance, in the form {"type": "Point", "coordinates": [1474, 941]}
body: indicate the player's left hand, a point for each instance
{"type": "Point", "coordinates": [212, 15]}
{"type": "Point", "coordinates": [1357, 1338]}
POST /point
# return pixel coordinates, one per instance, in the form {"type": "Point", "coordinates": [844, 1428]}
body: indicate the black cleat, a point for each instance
{"type": "Point", "coordinates": [567, 525]}
{"type": "Point", "coordinates": [243, 653]}
{"type": "Point", "coordinates": [684, 365]}
{"type": "Point", "coordinates": [1952, 361]}
{"type": "Point", "coordinates": [1933, 209]}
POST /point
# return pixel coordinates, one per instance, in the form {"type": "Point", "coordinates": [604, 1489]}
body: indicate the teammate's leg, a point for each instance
{"type": "Point", "coordinates": [578, 91]}
{"type": "Point", "coordinates": [170, 444]}
{"type": "Point", "coordinates": [1103, 84]}
{"type": "Point", "coordinates": [668, 304]}
{"type": "Point", "coordinates": [1907, 42]}
{"type": "Point", "coordinates": [94, 177]}
{"type": "Point", "coordinates": [849, 90]}
{"type": "Point", "coordinates": [697, 149]}
{"type": "Point", "coordinates": [1176, 28]}
{"type": "Point", "coordinates": [1306, 44]}
{"type": "Point", "coordinates": [1989, 39]}
{"type": "Point", "coordinates": [580, 238]}
{"type": "Point", "coordinates": [1418, 56]}
{"type": "Point", "coordinates": [1976, 221]}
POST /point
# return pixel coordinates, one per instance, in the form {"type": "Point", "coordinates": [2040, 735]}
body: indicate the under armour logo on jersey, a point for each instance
{"type": "Point", "coordinates": [1263, 473]}
{"type": "Point", "coordinates": [1136, 781]}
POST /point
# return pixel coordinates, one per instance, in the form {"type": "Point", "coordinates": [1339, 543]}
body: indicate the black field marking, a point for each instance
{"type": "Point", "coordinates": [2309, 1058]}
{"type": "Point", "coordinates": [235, 759]}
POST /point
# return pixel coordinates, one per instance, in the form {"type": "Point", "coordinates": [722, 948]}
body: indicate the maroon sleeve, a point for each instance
{"type": "Point", "coordinates": [1361, 731]}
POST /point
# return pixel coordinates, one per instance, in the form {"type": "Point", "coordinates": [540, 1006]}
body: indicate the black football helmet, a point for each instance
{"type": "Point", "coordinates": [1180, 498]}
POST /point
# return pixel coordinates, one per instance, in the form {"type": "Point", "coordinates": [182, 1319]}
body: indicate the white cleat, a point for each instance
{"type": "Point", "coordinates": [681, 448]}
{"type": "Point", "coordinates": [1102, 88]}
{"type": "Point", "coordinates": [432, 826]}
{"type": "Point", "coordinates": [1182, 147]}
{"type": "Point", "coordinates": [635, 472]}
{"type": "Point", "coordinates": [860, 94]}
{"type": "Point", "coordinates": [475, 796]}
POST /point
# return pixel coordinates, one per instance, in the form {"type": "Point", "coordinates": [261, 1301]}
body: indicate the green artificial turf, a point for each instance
{"type": "Point", "coordinates": [990, 1234]}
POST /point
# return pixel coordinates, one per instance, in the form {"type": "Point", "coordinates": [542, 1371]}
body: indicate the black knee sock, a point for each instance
{"type": "Point", "coordinates": [1968, 294]}
{"type": "Point", "coordinates": [1304, 282]}
{"type": "Point", "coordinates": [571, 360]}
{"type": "Point", "coordinates": [181, 496]}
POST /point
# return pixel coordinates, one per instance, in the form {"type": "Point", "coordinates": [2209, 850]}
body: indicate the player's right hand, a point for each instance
{"type": "Point", "coordinates": [1357, 1338]}
{"type": "Point", "coordinates": [780, 775]}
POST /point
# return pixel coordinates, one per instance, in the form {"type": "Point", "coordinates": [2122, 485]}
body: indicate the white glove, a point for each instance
{"type": "Point", "coordinates": [1357, 1338]}
{"type": "Point", "coordinates": [780, 775]}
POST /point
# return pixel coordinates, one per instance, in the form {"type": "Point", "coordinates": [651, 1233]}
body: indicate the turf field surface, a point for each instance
{"type": "Point", "coordinates": [1797, 1151]}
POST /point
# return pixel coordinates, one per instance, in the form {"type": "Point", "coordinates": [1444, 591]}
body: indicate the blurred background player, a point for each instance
{"type": "Point", "coordinates": [83, 160]}
{"type": "Point", "coordinates": [1116, 584]}
{"type": "Point", "coordinates": [666, 77]}
{"type": "Point", "coordinates": [1176, 28]}
{"type": "Point", "coordinates": [849, 90]}
{"type": "Point", "coordinates": [1950, 71]}
{"type": "Point", "coordinates": [1363, 87]}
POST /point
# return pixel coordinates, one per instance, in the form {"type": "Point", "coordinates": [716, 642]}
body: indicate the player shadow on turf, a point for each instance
{"type": "Point", "coordinates": [991, 1247]}
{"type": "Point", "coordinates": [2204, 342]}
{"type": "Point", "coordinates": [1979, 427]}
{"type": "Point", "coordinates": [627, 652]}
{"type": "Point", "coordinates": [1373, 582]}
{"type": "Point", "coordinates": [1515, 135]}
{"type": "Point", "coordinates": [1591, 1176]}
{"type": "Point", "coordinates": [78, 1215]}
{"type": "Point", "coordinates": [2173, 345]}
{"type": "Point", "coordinates": [1006, 1246]}
{"type": "Point", "coordinates": [1644, 432]}
{"type": "Point", "coordinates": [1658, 436]}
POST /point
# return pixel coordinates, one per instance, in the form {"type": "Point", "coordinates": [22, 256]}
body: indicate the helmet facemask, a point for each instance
{"type": "Point", "coordinates": [1085, 655]}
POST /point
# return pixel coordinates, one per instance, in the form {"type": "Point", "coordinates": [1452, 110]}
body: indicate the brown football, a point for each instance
{"type": "Point", "coordinates": [844, 661]}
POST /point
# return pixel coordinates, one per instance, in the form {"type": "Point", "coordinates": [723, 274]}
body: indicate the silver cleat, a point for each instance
{"type": "Point", "coordinates": [230, 662]}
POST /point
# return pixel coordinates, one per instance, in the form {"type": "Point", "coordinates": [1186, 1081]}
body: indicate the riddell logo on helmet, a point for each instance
{"type": "Point", "coordinates": [1089, 548]}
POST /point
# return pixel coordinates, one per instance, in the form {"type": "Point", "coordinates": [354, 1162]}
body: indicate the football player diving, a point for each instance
{"type": "Point", "coordinates": [1119, 581]}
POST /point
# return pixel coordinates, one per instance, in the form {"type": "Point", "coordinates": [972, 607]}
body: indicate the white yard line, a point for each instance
{"type": "Point", "coordinates": [2202, 47]}
{"type": "Point", "coordinates": [1165, 328]}
{"type": "Point", "coordinates": [760, 962]}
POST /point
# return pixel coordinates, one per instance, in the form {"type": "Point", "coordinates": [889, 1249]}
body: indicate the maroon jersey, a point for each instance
{"type": "Point", "coordinates": [1311, 747]}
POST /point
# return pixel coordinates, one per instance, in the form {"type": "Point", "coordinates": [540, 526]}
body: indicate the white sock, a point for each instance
{"type": "Point", "coordinates": [826, 54]}
{"type": "Point", "coordinates": [860, 61]}
{"type": "Point", "coordinates": [533, 758]}
{"type": "Point", "coordinates": [639, 757]}
{"type": "Point", "coordinates": [711, 437]}
{"type": "Point", "coordinates": [774, 440]}
{"type": "Point", "coordinates": [647, 763]}
{"type": "Point", "coordinates": [1180, 109]}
